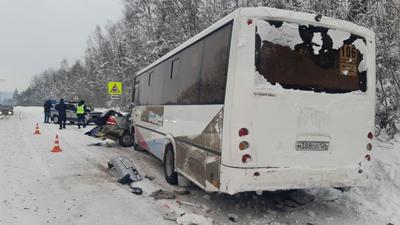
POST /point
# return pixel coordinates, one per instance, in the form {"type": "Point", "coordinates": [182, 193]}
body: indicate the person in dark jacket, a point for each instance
{"type": "Point", "coordinates": [61, 107]}
{"type": "Point", "coordinates": [80, 113]}
{"type": "Point", "coordinates": [47, 107]}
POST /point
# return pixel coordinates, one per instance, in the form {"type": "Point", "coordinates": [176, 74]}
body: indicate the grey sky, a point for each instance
{"type": "Point", "coordinates": [37, 34]}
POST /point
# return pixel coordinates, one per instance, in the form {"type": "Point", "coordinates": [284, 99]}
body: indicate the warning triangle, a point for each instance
{"type": "Point", "coordinates": [115, 89]}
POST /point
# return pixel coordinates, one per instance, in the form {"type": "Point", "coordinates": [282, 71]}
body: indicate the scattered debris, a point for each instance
{"type": "Point", "coordinates": [194, 219]}
{"type": "Point", "coordinates": [161, 194]}
{"type": "Point", "coordinates": [189, 203]}
{"type": "Point", "coordinates": [149, 177]}
{"type": "Point", "coordinates": [207, 197]}
{"type": "Point", "coordinates": [137, 190]}
{"type": "Point", "coordinates": [311, 213]}
{"type": "Point", "coordinates": [127, 173]}
{"type": "Point", "coordinates": [343, 189]}
{"type": "Point", "coordinates": [169, 214]}
{"type": "Point", "coordinates": [233, 217]}
{"type": "Point", "coordinates": [182, 192]}
{"type": "Point", "coordinates": [95, 144]}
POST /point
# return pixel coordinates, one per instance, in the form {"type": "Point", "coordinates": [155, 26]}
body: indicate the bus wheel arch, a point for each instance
{"type": "Point", "coordinates": [135, 145]}
{"type": "Point", "coordinates": [169, 141]}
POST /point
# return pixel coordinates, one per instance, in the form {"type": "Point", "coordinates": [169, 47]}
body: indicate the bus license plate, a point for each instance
{"type": "Point", "coordinates": [312, 146]}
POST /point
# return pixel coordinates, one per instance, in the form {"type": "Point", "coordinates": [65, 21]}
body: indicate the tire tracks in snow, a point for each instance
{"type": "Point", "coordinates": [28, 144]}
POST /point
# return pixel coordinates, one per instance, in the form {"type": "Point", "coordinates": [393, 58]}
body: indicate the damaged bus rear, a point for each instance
{"type": "Point", "coordinates": [299, 107]}
{"type": "Point", "coordinates": [264, 99]}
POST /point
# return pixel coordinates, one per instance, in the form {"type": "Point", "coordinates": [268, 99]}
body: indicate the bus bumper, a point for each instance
{"type": "Point", "coordinates": [234, 180]}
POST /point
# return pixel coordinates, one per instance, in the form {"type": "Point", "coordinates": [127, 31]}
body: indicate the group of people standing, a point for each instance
{"type": "Point", "coordinates": [62, 107]}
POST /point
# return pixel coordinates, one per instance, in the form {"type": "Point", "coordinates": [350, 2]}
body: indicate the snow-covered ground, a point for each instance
{"type": "Point", "coordinates": [75, 187]}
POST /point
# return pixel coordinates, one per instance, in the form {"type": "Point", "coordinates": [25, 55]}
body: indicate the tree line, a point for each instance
{"type": "Point", "coordinates": [151, 28]}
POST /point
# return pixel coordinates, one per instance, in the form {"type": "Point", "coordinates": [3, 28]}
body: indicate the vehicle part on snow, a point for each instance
{"type": "Point", "coordinates": [149, 177]}
{"type": "Point", "coordinates": [161, 194]}
{"type": "Point", "coordinates": [169, 214]}
{"type": "Point", "coordinates": [126, 171]}
{"type": "Point", "coordinates": [189, 219]}
{"type": "Point", "coordinates": [182, 192]}
{"type": "Point", "coordinates": [233, 217]}
{"type": "Point", "coordinates": [189, 204]}
{"type": "Point", "coordinates": [136, 190]}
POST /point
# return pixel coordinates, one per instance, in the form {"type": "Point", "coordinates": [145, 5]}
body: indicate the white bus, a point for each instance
{"type": "Point", "coordinates": [264, 99]}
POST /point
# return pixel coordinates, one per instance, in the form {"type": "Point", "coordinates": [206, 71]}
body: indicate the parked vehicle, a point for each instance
{"type": "Point", "coordinates": [6, 110]}
{"type": "Point", "coordinates": [93, 115]}
{"type": "Point", "coordinates": [262, 100]}
{"type": "Point", "coordinates": [90, 116]}
{"type": "Point", "coordinates": [115, 126]}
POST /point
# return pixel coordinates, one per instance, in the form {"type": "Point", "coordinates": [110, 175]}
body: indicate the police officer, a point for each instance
{"type": "Point", "coordinates": [61, 107]}
{"type": "Point", "coordinates": [80, 113]}
{"type": "Point", "coordinates": [47, 108]}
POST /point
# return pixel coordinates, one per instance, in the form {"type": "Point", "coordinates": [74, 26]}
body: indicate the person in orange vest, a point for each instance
{"type": "Point", "coordinates": [80, 113]}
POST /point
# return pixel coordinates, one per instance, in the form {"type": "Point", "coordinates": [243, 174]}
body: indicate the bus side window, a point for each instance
{"type": "Point", "coordinates": [143, 92]}
{"type": "Point", "coordinates": [171, 81]}
{"type": "Point", "coordinates": [175, 65]}
{"type": "Point", "coordinates": [157, 84]}
{"type": "Point", "coordinates": [215, 66]}
{"type": "Point", "coordinates": [189, 77]}
{"type": "Point", "coordinates": [151, 73]}
{"type": "Point", "coordinates": [135, 96]}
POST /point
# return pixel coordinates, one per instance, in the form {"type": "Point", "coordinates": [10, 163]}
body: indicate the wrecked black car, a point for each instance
{"type": "Point", "coordinates": [114, 126]}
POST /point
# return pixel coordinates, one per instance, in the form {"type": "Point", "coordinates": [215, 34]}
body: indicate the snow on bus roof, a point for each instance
{"type": "Point", "coordinates": [273, 14]}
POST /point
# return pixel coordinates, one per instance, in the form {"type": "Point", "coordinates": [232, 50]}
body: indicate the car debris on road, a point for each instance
{"type": "Point", "coordinates": [162, 194]}
{"type": "Point", "coordinates": [126, 171]}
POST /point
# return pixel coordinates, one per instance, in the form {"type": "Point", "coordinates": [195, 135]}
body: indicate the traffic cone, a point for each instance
{"type": "Point", "coordinates": [56, 147]}
{"type": "Point", "coordinates": [37, 131]}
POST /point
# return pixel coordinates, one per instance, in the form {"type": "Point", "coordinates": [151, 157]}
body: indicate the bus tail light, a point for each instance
{"type": "Point", "coordinates": [370, 135]}
{"type": "Point", "coordinates": [243, 145]}
{"type": "Point", "coordinates": [243, 132]}
{"type": "Point", "coordinates": [111, 121]}
{"type": "Point", "coordinates": [249, 22]}
{"type": "Point", "coordinates": [369, 146]}
{"type": "Point", "coordinates": [246, 158]}
{"type": "Point", "coordinates": [368, 157]}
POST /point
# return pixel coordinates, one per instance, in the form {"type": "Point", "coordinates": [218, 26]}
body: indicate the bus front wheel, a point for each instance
{"type": "Point", "coordinates": [169, 166]}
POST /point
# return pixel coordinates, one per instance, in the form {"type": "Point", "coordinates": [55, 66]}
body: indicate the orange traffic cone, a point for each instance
{"type": "Point", "coordinates": [37, 131]}
{"type": "Point", "coordinates": [56, 147]}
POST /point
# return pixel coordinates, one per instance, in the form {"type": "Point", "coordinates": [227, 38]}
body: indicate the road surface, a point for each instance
{"type": "Point", "coordinates": [75, 187]}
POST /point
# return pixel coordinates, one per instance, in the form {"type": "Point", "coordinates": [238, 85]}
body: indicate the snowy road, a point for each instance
{"type": "Point", "coordinates": [75, 187]}
{"type": "Point", "coordinates": [71, 187]}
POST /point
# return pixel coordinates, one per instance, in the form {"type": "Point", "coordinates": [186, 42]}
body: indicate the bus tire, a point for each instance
{"type": "Point", "coordinates": [169, 166]}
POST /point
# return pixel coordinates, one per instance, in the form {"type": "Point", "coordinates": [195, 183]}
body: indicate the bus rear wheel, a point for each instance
{"type": "Point", "coordinates": [169, 166]}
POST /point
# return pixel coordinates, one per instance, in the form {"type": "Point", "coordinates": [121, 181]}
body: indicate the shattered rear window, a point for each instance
{"type": "Point", "coordinates": [307, 57]}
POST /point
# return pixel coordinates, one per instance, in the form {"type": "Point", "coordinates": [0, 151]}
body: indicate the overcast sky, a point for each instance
{"type": "Point", "coordinates": [37, 34]}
